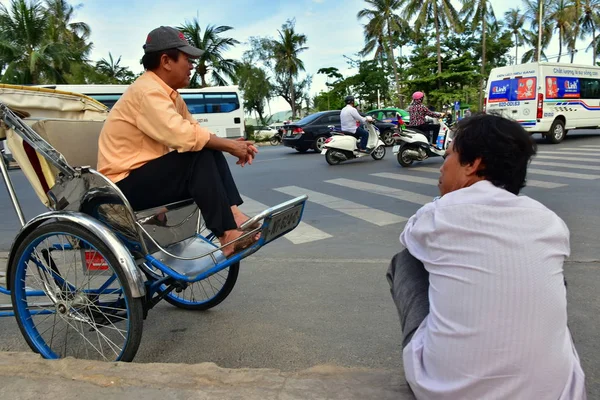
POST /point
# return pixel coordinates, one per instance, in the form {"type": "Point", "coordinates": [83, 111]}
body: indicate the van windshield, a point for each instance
{"type": "Point", "coordinates": [515, 89]}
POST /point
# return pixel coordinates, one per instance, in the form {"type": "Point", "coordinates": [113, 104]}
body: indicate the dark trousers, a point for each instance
{"type": "Point", "coordinates": [363, 135]}
{"type": "Point", "coordinates": [409, 285]}
{"type": "Point", "coordinates": [202, 175]}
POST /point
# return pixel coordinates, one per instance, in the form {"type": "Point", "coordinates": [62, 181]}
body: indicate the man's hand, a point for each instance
{"type": "Point", "coordinates": [244, 150]}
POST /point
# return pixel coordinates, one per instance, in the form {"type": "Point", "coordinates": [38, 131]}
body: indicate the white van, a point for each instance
{"type": "Point", "coordinates": [546, 98]}
{"type": "Point", "coordinates": [218, 108]}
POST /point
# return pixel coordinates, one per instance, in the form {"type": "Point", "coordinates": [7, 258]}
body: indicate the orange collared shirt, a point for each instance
{"type": "Point", "coordinates": [149, 120]}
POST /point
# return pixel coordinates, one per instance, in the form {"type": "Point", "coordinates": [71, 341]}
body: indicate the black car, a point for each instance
{"type": "Point", "coordinates": [312, 131]}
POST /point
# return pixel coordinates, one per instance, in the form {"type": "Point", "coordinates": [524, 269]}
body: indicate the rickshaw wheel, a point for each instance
{"type": "Point", "coordinates": [207, 293]}
{"type": "Point", "coordinates": [71, 298]}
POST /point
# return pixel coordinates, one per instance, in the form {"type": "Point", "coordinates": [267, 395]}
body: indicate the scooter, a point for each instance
{"type": "Point", "coordinates": [412, 145]}
{"type": "Point", "coordinates": [343, 146]}
{"type": "Point", "coordinates": [276, 138]}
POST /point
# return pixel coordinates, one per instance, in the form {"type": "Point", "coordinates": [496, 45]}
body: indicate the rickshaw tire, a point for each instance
{"type": "Point", "coordinates": [230, 281]}
{"type": "Point", "coordinates": [135, 305]}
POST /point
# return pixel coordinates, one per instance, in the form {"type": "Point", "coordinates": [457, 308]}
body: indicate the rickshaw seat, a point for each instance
{"type": "Point", "coordinates": [76, 140]}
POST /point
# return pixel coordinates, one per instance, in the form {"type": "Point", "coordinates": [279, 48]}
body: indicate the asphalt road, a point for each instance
{"type": "Point", "coordinates": [320, 296]}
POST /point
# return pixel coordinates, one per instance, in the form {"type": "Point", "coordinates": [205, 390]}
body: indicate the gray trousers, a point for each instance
{"type": "Point", "coordinates": [409, 285]}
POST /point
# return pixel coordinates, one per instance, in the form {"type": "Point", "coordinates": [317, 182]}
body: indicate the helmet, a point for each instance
{"type": "Point", "coordinates": [349, 99]}
{"type": "Point", "coordinates": [418, 95]}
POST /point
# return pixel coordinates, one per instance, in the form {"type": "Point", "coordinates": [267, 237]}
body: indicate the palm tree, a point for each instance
{"type": "Point", "coordinates": [575, 28]}
{"type": "Point", "coordinates": [532, 14]}
{"type": "Point", "coordinates": [531, 38]}
{"type": "Point", "coordinates": [379, 31]}
{"type": "Point", "coordinates": [212, 60]}
{"type": "Point", "coordinates": [589, 21]}
{"type": "Point", "coordinates": [480, 12]}
{"type": "Point", "coordinates": [441, 12]}
{"type": "Point", "coordinates": [562, 15]}
{"type": "Point", "coordinates": [61, 29]}
{"type": "Point", "coordinates": [30, 55]}
{"type": "Point", "coordinates": [514, 22]}
{"type": "Point", "coordinates": [286, 53]}
{"type": "Point", "coordinates": [112, 69]}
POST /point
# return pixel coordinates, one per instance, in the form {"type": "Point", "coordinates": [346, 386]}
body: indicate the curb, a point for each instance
{"type": "Point", "coordinates": [25, 376]}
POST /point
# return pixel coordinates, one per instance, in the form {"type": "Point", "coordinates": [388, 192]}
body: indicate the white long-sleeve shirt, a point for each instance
{"type": "Point", "coordinates": [348, 118]}
{"type": "Point", "coordinates": [497, 326]}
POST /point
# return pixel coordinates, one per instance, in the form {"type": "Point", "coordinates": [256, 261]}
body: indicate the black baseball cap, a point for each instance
{"type": "Point", "coordinates": [165, 37]}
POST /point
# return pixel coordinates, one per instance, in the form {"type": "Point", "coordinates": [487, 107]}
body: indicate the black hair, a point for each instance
{"type": "Point", "coordinates": [504, 147]}
{"type": "Point", "coordinates": [151, 61]}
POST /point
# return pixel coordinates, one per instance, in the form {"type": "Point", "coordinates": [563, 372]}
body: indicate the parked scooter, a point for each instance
{"type": "Point", "coordinates": [344, 146]}
{"type": "Point", "coordinates": [276, 138]}
{"type": "Point", "coordinates": [413, 145]}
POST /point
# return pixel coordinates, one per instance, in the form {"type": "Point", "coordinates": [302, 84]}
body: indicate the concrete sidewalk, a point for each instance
{"type": "Point", "coordinates": [25, 376]}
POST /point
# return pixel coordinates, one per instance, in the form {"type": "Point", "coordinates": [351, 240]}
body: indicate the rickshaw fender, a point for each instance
{"type": "Point", "coordinates": [133, 275]}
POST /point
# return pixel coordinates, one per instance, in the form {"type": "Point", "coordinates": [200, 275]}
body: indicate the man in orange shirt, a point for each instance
{"type": "Point", "coordinates": [157, 153]}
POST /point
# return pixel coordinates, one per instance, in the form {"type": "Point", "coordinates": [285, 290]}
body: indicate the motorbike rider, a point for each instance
{"type": "Point", "coordinates": [417, 112]}
{"type": "Point", "coordinates": [349, 118]}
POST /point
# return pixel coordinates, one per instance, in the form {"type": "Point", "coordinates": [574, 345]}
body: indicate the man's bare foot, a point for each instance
{"type": "Point", "coordinates": [240, 217]}
{"type": "Point", "coordinates": [238, 246]}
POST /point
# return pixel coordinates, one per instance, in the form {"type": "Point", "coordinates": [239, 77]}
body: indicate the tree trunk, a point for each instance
{"type": "Point", "coordinates": [393, 61]}
{"type": "Point", "coordinates": [293, 96]}
{"type": "Point", "coordinates": [516, 49]}
{"type": "Point", "coordinates": [437, 39]}
{"type": "Point", "coordinates": [483, 31]}
{"type": "Point", "coordinates": [560, 36]}
{"type": "Point", "coordinates": [593, 45]}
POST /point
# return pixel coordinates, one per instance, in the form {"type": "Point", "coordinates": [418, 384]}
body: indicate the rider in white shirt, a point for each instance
{"type": "Point", "coordinates": [480, 288]}
{"type": "Point", "coordinates": [349, 118]}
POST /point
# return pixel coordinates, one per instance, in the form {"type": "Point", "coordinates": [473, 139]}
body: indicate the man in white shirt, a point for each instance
{"type": "Point", "coordinates": [349, 117]}
{"type": "Point", "coordinates": [480, 288]}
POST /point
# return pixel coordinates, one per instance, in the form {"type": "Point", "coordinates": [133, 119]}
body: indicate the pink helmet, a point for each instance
{"type": "Point", "coordinates": [418, 95]}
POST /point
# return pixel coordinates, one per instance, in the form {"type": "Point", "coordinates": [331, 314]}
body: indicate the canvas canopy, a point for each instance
{"type": "Point", "coordinates": [70, 122]}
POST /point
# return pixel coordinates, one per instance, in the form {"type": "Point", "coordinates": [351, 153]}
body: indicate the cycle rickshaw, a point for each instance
{"type": "Point", "coordinates": [83, 276]}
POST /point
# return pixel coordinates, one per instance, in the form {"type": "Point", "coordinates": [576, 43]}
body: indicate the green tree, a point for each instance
{"type": "Point", "coordinates": [575, 31]}
{"type": "Point", "coordinates": [441, 13]}
{"type": "Point", "coordinates": [28, 51]}
{"type": "Point", "coordinates": [562, 14]}
{"type": "Point", "coordinates": [379, 31]}
{"type": "Point", "coordinates": [532, 13]}
{"type": "Point", "coordinates": [286, 53]}
{"type": "Point", "coordinates": [590, 20]}
{"type": "Point", "coordinates": [531, 38]}
{"type": "Point", "coordinates": [113, 71]}
{"type": "Point", "coordinates": [257, 90]}
{"type": "Point", "coordinates": [212, 61]}
{"type": "Point", "coordinates": [331, 73]}
{"type": "Point", "coordinates": [515, 21]}
{"type": "Point", "coordinates": [480, 13]}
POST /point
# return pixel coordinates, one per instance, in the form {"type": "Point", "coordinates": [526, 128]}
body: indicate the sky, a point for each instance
{"type": "Point", "coordinates": [331, 28]}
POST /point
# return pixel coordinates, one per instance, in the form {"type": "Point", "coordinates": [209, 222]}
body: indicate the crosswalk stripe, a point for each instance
{"type": "Point", "coordinates": [368, 214]}
{"type": "Point", "coordinates": [591, 145]}
{"type": "Point", "coordinates": [592, 150]}
{"type": "Point", "coordinates": [530, 182]}
{"type": "Point", "coordinates": [562, 174]}
{"type": "Point", "coordinates": [399, 194]}
{"type": "Point", "coordinates": [407, 178]}
{"type": "Point", "coordinates": [568, 158]}
{"type": "Point", "coordinates": [303, 233]}
{"type": "Point", "coordinates": [568, 166]}
{"type": "Point", "coordinates": [568, 153]}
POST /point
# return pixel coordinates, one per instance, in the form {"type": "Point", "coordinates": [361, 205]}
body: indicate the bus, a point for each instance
{"type": "Point", "coordinates": [546, 98]}
{"type": "Point", "coordinates": [218, 108]}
